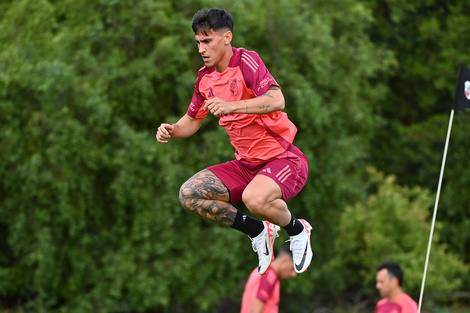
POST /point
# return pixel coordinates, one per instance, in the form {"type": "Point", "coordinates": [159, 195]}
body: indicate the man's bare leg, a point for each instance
{"type": "Point", "coordinates": [206, 196]}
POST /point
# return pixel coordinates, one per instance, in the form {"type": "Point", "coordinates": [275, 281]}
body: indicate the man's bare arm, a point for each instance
{"type": "Point", "coordinates": [184, 128]}
{"type": "Point", "coordinates": [271, 101]}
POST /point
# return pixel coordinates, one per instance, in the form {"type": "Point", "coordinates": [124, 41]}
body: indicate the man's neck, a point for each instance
{"type": "Point", "coordinates": [395, 295]}
{"type": "Point", "coordinates": [226, 61]}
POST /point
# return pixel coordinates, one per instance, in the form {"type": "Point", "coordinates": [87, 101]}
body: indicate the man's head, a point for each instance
{"type": "Point", "coordinates": [284, 264]}
{"type": "Point", "coordinates": [213, 34]}
{"type": "Point", "coordinates": [389, 279]}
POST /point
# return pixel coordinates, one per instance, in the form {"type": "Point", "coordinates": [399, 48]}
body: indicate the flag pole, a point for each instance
{"type": "Point", "coordinates": [435, 208]}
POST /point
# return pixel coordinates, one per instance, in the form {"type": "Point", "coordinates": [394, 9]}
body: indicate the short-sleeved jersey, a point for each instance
{"type": "Point", "coordinates": [255, 137]}
{"type": "Point", "coordinates": [404, 304]}
{"type": "Point", "coordinates": [265, 287]}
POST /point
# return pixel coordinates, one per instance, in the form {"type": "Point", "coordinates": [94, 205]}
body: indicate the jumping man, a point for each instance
{"type": "Point", "coordinates": [235, 86]}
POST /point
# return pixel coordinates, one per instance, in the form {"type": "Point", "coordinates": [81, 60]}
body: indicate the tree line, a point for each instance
{"type": "Point", "coordinates": [89, 214]}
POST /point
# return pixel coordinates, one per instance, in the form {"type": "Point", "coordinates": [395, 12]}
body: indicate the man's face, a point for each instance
{"type": "Point", "coordinates": [384, 282]}
{"type": "Point", "coordinates": [286, 269]}
{"type": "Point", "coordinates": [213, 47]}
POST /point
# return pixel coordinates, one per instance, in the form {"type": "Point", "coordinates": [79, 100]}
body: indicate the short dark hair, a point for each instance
{"type": "Point", "coordinates": [393, 269]}
{"type": "Point", "coordinates": [285, 250]}
{"type": "Point", "coordinates": [215, 19]}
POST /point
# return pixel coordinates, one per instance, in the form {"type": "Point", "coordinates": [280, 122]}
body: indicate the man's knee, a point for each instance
{"type": "Point", "coordinates": [254, 202]}
{"type": "Point", "coordinates": [186, 193]}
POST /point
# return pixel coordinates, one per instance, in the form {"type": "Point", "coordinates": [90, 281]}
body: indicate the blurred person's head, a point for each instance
{"type": "Point", "coordinates": [389, 279]}
{"type": "Point", "coordinates": [283, 264]}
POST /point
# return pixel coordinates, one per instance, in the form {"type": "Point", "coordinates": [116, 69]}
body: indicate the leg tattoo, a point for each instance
{"type": "Point", "coordinates": [206, 196]}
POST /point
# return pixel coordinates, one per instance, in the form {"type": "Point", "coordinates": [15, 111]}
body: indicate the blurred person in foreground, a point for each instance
{"type": "Point", "coordinates": [262, 293]}
{"type": "Point", "coordinates": [389, 280]}
{"type": "Point", "coordinates": [235, 87]}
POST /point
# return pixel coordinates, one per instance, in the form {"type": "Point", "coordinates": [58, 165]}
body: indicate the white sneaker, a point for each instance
{"type": "Point", "coordinates": [263, 244]}
{"type": "Point", "coordinates": [301, 249]}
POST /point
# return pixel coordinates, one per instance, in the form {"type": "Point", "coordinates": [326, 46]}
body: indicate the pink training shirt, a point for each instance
{"type": "Point", "coordinates": [404, 304]}
{"type": "Point", "coordinates": [255, 137]}
{"type": "Point", "coordinates": [265, 287]}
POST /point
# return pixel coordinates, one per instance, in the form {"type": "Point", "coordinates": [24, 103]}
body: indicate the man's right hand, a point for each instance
{"type": "Point", "coordinates": [165, 132]}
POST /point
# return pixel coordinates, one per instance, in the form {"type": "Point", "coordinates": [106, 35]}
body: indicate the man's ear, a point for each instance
{"type": "Point", "coordinates": [228, 37]}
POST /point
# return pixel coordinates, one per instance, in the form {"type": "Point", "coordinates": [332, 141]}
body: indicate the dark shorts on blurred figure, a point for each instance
{"type": "Point", "coordinates": [289, 170]}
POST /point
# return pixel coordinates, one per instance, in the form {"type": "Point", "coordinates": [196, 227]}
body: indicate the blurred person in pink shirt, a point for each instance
{"type": "Point", "coordinates": [389, 280]}
{"type": "Point", "coordinates": [262, 293]}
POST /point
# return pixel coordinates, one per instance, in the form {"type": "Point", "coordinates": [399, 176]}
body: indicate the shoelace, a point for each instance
{"type": "Point", "coordinates": [296, 246]}
{"type": "Point", "coordinates": [258, 242]}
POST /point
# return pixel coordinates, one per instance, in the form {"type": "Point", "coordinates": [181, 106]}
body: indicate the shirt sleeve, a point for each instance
{"type": "Point", "coordinates": [255, 73]}
{"type": "Point", "coordinates": [408, 305]}
{"type": "Point", "coordinates": [196, 108]}
{"type": "Point", "coordinates": [266, 286]}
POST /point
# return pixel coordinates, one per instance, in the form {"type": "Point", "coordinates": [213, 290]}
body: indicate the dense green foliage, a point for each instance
{"type": "Point", "coordinates": [89, 214]}
{"type": "Point", "coordinates": [428, 39]}
{"type": "Point", "coordinates": [393, 225]}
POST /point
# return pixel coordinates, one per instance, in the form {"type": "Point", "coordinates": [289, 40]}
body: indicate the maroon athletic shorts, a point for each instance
{"type": "Point", "coordinates": [289, 170]}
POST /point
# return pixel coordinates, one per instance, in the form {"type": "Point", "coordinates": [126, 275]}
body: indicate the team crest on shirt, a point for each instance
{"type": "Point", "coordinates": [233, 87]}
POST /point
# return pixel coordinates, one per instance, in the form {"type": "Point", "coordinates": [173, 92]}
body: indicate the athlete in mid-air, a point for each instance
{"type": "Point", "coordinates": [235, 86]}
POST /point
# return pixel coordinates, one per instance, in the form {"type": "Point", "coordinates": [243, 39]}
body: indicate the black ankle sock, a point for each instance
{"type": "Point", "coordinates": [294, 227]}
{"type": "Point", "coordinates": [248, 225]}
